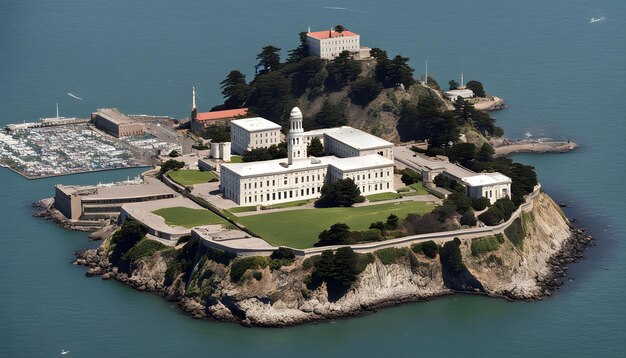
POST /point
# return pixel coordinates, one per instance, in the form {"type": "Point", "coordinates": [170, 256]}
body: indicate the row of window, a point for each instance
{"type": "Point", "coordinates": [281, 195]}
{"type": "Point", "coordinates": [303, 179]}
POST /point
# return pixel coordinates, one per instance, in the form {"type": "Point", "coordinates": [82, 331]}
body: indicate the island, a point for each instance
{"type": "Point", "coordinates": [331, 185]}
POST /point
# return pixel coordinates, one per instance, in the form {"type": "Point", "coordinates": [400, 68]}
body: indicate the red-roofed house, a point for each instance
{"type": "Point", "coordinates": [329, 44]}
{"type": "Point", "coordinates": [204, 119]}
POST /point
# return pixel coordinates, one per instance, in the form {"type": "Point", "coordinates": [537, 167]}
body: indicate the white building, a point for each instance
{"type": "Point", "coordinates": [493, 186]}
{"type": "Point", "coordinates": [329, 44]}
{"type": "Point", "coordinates": [251, 133]}
{"type": "Point", "coordinates": [350, 142]}
{"type": "Point", "coordinates": [301, 177]}
{"type": "Point", "coordinates": [463, 93]}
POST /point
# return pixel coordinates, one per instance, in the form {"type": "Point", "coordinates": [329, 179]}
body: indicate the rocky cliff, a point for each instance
{"type": "Point", "coordinates": [526, 263]}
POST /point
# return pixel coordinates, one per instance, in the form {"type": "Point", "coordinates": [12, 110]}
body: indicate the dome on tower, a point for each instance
{"type": "Point", "coordinates": [296, 113]}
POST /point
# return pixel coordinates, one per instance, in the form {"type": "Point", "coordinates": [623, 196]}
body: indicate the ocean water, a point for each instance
{"type": "Point", "coordinates": [562, 77]}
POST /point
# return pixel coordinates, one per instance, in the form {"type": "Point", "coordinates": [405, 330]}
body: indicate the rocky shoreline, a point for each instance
{"type": "Point", "coordinates": [571, 251]}
{"type": "Point", "coordinates": [275, 300]}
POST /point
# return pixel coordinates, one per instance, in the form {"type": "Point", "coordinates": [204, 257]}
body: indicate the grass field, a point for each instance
{"type": "Point", "coordinates": [236, 159]}
{"type": "Point", "coordinates": [186, 177]}
{"type": "Point", "coordinates": [382, 196]}
{"type": "Point", "coordinates": [300, 228]}
{"type": "Point", "coordinates": [186, 217]}
{"type": "Point", "coordinates": [290, 204]}
{"type": "Point", "coordinates": [419, 188]}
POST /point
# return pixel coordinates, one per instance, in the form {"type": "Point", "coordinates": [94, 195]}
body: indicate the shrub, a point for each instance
{"type": "Point", "coordinates": [144, 248]}
{"type": "Point", "coordinates": [306, 294]}
{"type": "Point", "coordinates": [428, 248]}
{"type": "Point", "coordinates": [365, 236]}
{"type": "Point", "coordinates": [338, 234]}
{"type": "Point", "coordinates": [219, 256]}
{"type": "Point", "coordinates": [391, 255]}
{"type": "Point", "coordinates": [485, 244]}
{"type": "Point", "coordinates": [469, 218]}
{"type": "Point", "coordinates": [340, 193]}
{"type": "Point", "coordinates": [183, 239]}
{"type": "Point", "coordinates": [493, 216]}
{"type": "Point", "coordinates": [283, 253]}
{"type": "Point", "coordinates": [378, 225]}
{"type": "Point", "coordinates": [506, 206]}
{"type": "Point", "coordinates": [239, 266]}
{"type": "Point", "coordinates": [493, 259]}
{"type": "Point", "coordinates": [410, 176]}
{"type": "Point", "coordinates": [258, 275]}
{"type": "Point", "coordinates": [451, 250]}
{"type": "Point", "coordinates": [500, 238]}
{"type": "Point", "coordinates": [481, 203]}
{"type": "Point", "coordinates": [341, 267]}
{"type": "Point", "coordinates": [364, 90]}
{"type": "Point", "coordinates": [462, 202]}
{"type": "Point", "coordinates": [515, 233]}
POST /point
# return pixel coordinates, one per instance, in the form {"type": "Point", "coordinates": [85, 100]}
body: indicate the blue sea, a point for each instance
{"type": "Point", "coordinates": [563, 77]}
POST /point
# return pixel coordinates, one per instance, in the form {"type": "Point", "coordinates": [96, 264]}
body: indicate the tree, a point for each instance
{"type": "Point", "coordinates": [340, 28]}
{"type": "Point", "coordinates": [274, 151]}
{"type": "Point", "coordinates": [485, 153]}
{"type": "Point", "coordinates": [469, 218]}
{"type": "Point", "coordinates": [462, 202]}
{"type": "Point", "coordinates": [481, 203]}
{"type": "Point", "coordinates": [301, 51]}
{"type": "Point", "coordinates": [315, 149]}
{"type": "Point", "coordinates": [217, 133]}
{"type": "Point", "coordinates": [174, 153]}
{"type": "Point", "coordinates": [270, 96]}
{"type": "Point", "coordinates": [476, 87]}
{"type": "Point", "coordinates": [462, 153]}
{"type": "Point", "coordinates": [364, 90]}
{"type": "Point", "coordinates": [409, 176]}
{"type": "Point", "coordinates": [341, 70]}
{"type": "Point", "coordinates": [346, 266]}
{"type": "Point", "coordinates": [338, 234]}
{"type": "Point", "coordinates": [392, 222]}
{"type": "Point", "coordinates": [125, 238]}
{"type": "Point", "coordinates": [330, 115]}
{"type": "Point", "coordinates": [453, 85]}
{"type": "Point", "coordinates": [235, 90]}
{"type": "Point", "coordinates": [493, 216]}
{"type": "Point", "coordinates": [442, 131]}
{"type": "Point", "coordinates": [341, 193]}
{"type": "Point", "coordinates": [399, 72]}
{"type": "Point", "coordinates": [171, 164]}
{"type": "Point", "coordinates": [269, 59]}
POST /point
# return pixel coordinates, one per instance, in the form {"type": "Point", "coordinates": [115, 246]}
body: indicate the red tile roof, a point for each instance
{"type": "Point", "coordinates": [229, 113]}
{"type": "Point", "coordinates": [321, 35]}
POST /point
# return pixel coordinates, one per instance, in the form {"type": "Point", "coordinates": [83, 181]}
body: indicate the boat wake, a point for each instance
{"type": "Point", "coordinates": [74, 96]}
{"type": "Point", "coordinates": [593, 19]}
{"type": "Point", "coordinates": [335, 8]}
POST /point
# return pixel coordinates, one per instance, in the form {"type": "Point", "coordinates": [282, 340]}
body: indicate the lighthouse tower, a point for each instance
{"type": "Point", "coordinates": [296, 147]}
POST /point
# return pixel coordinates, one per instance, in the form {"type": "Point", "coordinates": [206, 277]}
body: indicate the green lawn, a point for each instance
{"type": "Point", "coordinates": [382, 196]}
{"type": "Point", "coordinates": [186, 177]}
{"type": "Point", "coordinates": [300, 228]}
{"type": "Point", "coordinates": [236, 159]}
{"type": "Point", "coordinates": [290, 204]}
{"type": "Point", "coordinates": [241, 209]}
{"type": "Point", "coordinates": [419, 188]}
{"type": "Point", "coordinates": [186, 217]}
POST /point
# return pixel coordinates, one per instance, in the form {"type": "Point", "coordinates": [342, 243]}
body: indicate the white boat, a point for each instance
{"type": "Point", "coordinates": [64, 352]}
{"type": "Point", "coordinates": [593, 19]}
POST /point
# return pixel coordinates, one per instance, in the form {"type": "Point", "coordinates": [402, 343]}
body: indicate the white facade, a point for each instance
{"type": "Point", "coordinates": [463, 93]}
{"type": "Point", "coordinates": [298, 177]}
{"type": "Point", "coordinates": [493, 186]}
{"type": "Point", "coordinates": [329, 44]}
{"type": "Point", "coordinates": [352, 142]}
{"type": "Point", "coordinates": [251, 133]}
